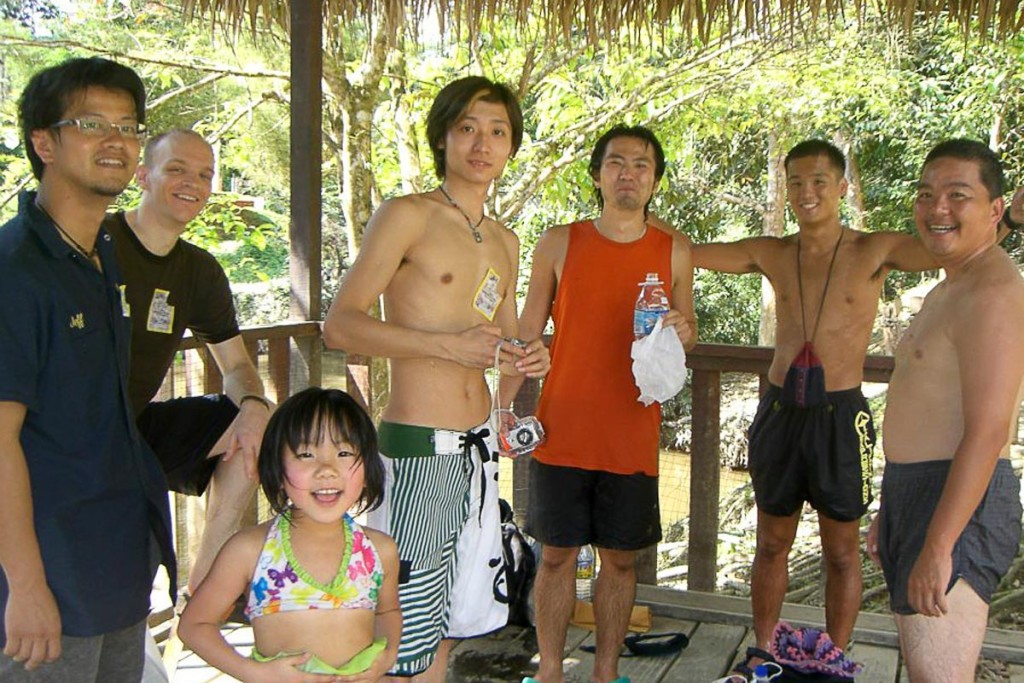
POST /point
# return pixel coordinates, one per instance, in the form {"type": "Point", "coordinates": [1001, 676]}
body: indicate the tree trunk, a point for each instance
{"type": "Point", "coordinates": [408, 145]}
{"type": "Point", "coordinates": [995, 134]}
{"type": "Point", "coordinates": [855, 189]}
{"type": "Point", "coordinates": [774, 224]}
{"type": "Point", "coordinates": [357, 94]}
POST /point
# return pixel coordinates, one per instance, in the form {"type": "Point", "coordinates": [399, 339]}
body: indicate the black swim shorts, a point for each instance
{"type": "Point", "coordinates": [985, 549]}
{"type": "Point", "coordinates": [571, 507]}
{"type": "Point", "coordinates": [821, 455]}
{"type": "Point", "coordinates": [181, 432]}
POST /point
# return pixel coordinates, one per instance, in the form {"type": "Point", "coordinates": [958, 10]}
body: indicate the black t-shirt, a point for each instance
{"type": "Point", "coordinates": [187, 288]}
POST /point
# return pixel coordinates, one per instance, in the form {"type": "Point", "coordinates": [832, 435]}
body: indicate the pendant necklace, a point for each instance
{"type": "Point", "coordinates": [90, 254]}
{"type": "Point", "coordinates": [824, 293]}
{"type": "Point", "coordinates": [473, 227]}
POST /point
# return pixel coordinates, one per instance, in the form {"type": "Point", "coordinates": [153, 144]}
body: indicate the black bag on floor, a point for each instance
{"type": "Point", "coordinates": [520, 568]}
{"type": "Point", "coordinates": [790, 675]}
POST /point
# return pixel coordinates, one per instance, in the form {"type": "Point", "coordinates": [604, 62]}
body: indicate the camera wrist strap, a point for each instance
{"type": "Point", "coordinates": [496, 394]}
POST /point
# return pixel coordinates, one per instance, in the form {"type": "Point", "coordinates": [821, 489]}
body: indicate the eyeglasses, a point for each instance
{"type": "Point", "coordinates": [100, 128]}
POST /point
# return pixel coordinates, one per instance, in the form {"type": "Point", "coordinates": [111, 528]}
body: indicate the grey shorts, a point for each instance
{"type": "Point", "coordinates": [115, 657]}
{"type": "Point", "coordinates": [985, 549]}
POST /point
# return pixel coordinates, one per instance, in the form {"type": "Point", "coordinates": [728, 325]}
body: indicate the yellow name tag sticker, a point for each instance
{"type": "Point", "coordinates": [126, 309]}
{"type": "Point", "coordinates": [487, 299]}
{"type": "Point", "coordinates": [161, 313]}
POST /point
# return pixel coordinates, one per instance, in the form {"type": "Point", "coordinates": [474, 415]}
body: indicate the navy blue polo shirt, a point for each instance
{"type": "Point", "coordinates": [99, 497]}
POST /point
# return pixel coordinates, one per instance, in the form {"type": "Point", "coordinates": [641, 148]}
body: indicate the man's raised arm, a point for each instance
{"type": "Point", "coordinates": [905, 252]}
{"type": "Point", "coordinates": [739, 257]}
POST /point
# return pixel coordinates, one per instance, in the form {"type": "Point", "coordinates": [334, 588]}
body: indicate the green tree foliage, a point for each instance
{"type": "Point", "coordinates": [887, 95]}
{"type": "Point", "coordinates": [194, 79]}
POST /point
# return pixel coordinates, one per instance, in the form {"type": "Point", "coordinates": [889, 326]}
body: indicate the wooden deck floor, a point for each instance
{"type": "Point", "coordinates": [718, 627]}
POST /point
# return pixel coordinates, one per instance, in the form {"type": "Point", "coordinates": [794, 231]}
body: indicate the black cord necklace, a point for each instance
{"type": "Point", "coordinates": [824, 293]}
{"type": "Point", "coordinates": [473, 227]}
{"type": "Point", "coordinates": [90, 255]}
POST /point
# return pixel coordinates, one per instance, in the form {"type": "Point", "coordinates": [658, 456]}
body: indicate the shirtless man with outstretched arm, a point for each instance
{"type": "Point", "coordinates": [448, 277]}
{"type": "Point", "coordinates": [842, 272]}
{"type": "Point", "coordinates": [949, 524]}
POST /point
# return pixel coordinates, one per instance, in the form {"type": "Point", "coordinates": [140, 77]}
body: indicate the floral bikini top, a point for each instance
{"type": "Point", "coordinates": [280, 584]}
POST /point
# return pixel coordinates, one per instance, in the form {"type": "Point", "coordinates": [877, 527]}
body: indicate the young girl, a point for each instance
{"type": "Point", "coordinates": [323, 591]}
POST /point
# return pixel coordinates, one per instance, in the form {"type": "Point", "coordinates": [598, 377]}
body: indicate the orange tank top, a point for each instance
{"type": "Point", "coordinates": [588, 405]}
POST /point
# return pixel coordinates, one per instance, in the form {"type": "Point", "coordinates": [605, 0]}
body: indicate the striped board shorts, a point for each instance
{"type": "Point", "coordinates": [441, 507]}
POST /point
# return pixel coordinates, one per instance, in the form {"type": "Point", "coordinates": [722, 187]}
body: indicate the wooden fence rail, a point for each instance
{"type": "Point", "coordinates": [278, 350]}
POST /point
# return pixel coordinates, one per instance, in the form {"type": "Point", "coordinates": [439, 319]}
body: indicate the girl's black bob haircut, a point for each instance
{"type": "Point", "coordinates": [307, 418]}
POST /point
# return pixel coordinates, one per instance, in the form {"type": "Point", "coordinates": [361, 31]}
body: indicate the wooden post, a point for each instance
{"type": "Point", "coordinates": [646, 565]}
{"type": "Point", "coordinates": [304, 259]}
{"type": "Point", "coordinates": [213, 381]}
{"type": "Point", "coordinates": [525, 403]}
{"type": "Point", "coordinates": [280, 370]}
{"type": "Point", "coordinates": [358, 382]}
{"type": "Point", "coordinates": [704, 481]}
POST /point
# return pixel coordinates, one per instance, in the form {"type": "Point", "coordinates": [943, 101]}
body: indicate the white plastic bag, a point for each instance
{"type": "Point", "coordinates": [659, 364]}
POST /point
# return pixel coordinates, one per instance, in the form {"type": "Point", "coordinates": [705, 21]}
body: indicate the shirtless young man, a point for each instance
{"type": "Point", "coordinates": [827, 280]}
{"type": "Point", "coordinates": [448, 277]}
{"type": "Point", "coordinates": [949, 524]}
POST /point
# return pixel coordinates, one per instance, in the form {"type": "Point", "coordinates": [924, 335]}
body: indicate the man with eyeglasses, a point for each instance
{"type": "Point", "coordinates": [171, 285]}
{"type": "Point", "coordinates": [84, 518]}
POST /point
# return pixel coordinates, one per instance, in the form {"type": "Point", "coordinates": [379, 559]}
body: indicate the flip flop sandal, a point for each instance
{"type": "Point", "coordinates": [653, 644]}
{"type": "Point", "coordinates": [649, 644]}
{"type": "Point", "coordinates": [745, 672]}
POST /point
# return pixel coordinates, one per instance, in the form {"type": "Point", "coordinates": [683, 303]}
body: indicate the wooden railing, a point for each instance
{"type": "Point", "coordinates": [282, 351]}
{"type": "Point", "coordinates": [284, 369]}
{"type": "Point", "coordinates": [708, 362]}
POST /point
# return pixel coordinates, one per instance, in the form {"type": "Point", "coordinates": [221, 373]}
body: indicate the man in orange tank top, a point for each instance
{"type": "Point", "coordinates": [595, 479]}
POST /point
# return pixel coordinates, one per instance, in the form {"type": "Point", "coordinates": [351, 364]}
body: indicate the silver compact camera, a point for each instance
{"type": "Point", "coordinates": [522, 436]}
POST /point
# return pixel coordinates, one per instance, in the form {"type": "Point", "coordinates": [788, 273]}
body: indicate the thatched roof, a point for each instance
{"type": "Point", "coordinates": [607, 17]}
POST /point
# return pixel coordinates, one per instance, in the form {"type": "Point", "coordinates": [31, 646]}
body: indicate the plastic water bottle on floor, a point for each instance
{"type": "Point", "coordinates": [765, 673]}
{"type": "Point", "coordinates": [650, 305]}
{"type": "Point", "coordinates": [584, 573]}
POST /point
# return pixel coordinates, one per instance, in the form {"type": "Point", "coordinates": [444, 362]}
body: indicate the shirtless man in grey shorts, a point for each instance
{"type": "Point", "coordinates": [823, 251]}
{"type": "Point", "coordinates": [447, 274]}
{"type": "Point", "coordinates": [949, 523]}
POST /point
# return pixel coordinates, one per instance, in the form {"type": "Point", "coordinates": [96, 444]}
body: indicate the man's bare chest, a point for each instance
{"type": "Point", "coordinates": [843, 294]}
{"type": "Point", "coordinates": [925, 341]}
{"type": "Point", "coordinates": [480, 276]}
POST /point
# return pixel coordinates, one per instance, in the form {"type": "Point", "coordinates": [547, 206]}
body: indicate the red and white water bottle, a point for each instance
{"type": "Point", "coordinates": [650, 305]}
